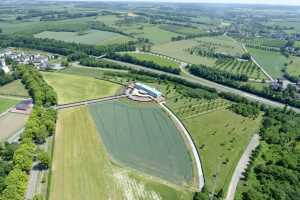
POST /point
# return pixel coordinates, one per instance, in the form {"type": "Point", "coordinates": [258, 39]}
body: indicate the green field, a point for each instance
{"type": "Point", "coordinates": [141, 136]}
{"type": "Point", "coordinates": [221, 44]}
{"type": "Point", "coordinates": [239, 67]}
{"type": "Point", "coordinates": [93, 37]}
{"type": "Point", "coordinates": [7, 103]}
{"type": "Point", "coordinates": [293, 67]}
{"type": "Point", "coordinates": [156, 59]}
{"type": "Point", "coordinates": [85, 172]}
{"type": "Point", "coordinates": [272, 62]}
{"type": "Point", "coordinates": [178, 50]}
{"type": "Point", "coordinates": [221, 137]}
{"type": "Point", "coordinates": [181, 29]}
{"type": "Point", "coordinates": [73, 88]}
{"type": "Point", "coordinates": [155, 34]}
{"type": "Point", "coordinates": [15, 88]}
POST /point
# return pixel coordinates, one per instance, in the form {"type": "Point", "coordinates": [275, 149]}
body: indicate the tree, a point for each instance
{"type": "Point", "coordinates": [246, 56]}
{"type": "Point", "coordinates": [44, 159]}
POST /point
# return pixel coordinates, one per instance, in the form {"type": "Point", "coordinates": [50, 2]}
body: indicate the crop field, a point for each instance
{"type": "Point", "coordinates": [272, 62]}
{"type": "Point", "coordinates": [108, 19]}
{"type": "Point", "coordinates": [86, 172]}
{"type": "Point", "coordinates": [156, 59]}
{"type": "Point", "coordinates": [6, 104]}
{"type": "Point", "coordinates": [73, 88]}
{"type": "Point", "coordinates": [239, 67]}
{"type": "Point", "coordinates": [15, 88]}
{"type": "Point", "coordinates": [93, 37]}
{"type": "Point", "coordinates": [10, 124]}
{"type": "Point", "coordinates": [179, 50]}
{"type": "Point", "coordinates": [221, 137]}
{"type": "Point", "coordinates": [141, 136]}
{"type": "Point", "coordinates": [221, 44]}
{"type": "Point", "coordinates": [267, 42]}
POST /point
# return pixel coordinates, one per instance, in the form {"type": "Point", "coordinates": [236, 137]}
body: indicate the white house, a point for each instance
{"type": "Point", "coordinates": [3, 66]}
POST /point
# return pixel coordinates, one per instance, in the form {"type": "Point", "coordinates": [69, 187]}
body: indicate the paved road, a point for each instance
{"type": "Point", "coordinates": [241, 167]}
{"type": "Point", "coordinates": [218, 87]}
{"type": "Point", "coordinates": [191, 144]}
{"type": "Point", "coordinates": [76, 104]}
{"type": "Point", "coordinates": [33, 181]}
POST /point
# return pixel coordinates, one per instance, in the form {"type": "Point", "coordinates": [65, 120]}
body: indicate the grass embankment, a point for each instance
{"type": "Point", "coordinates": [73, 88]}
{"type": "Point", "coordinates": [15, 88]}
{"type": "Point", "coordinates": [156, 59]}
{"type": "Point", "coordinates": [81, 167]}
{"type": "Point", "coordinates": [221, 137]}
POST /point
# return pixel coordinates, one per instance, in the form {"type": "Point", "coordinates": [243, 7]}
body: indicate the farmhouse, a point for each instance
{"type": "Point", "coordinates": [147, 90]}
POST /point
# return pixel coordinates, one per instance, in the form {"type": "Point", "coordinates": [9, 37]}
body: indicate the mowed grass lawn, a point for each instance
{"type": "Point", "coordinates": [15, 88]}
{"type": "Point", "coordinates": [6, 103]}
{"type": "Point", "coordinates": [221, 137]}
{"type": "Point", "coordinates": [272, 62]}
{"type": "Point", "coordinates": [73, 88]}
{"type": "Point", "coordinates": [178, 49]}
{"type": "Point", "coordinates": [141, 136]}
{"type": "Point", "coordinates": [92, 37]}
{"type": "Point", "coordinates": [80, 169]}
{"type": "Point", "coordinates": [156, 59]}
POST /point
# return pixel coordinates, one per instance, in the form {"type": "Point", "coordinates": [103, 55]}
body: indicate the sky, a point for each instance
{"type": "Point", "coordinates": [276, 2]}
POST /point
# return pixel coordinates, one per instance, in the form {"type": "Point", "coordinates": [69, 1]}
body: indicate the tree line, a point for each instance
{"type": "Point", "coordinates": [41, 93]}
{"type": "Point", "coordinates": [40, 125]}
{"type": "Point", "coordinates": [285, 96]}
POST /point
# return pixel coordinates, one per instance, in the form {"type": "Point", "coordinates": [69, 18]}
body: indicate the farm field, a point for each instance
{"type": "Point", "coordinates": [142, 137]}
{"type": "Point", "coordinates": [93, 37]}
{"type": "Point", "coordinates": [73, 88]}
{"type": "Point", "coordinates": [15, 88]}
{"type": "Point", "coordinates": [155, 34]}
{"type": "Point", "coordinates": [7, 128]}
{"type": "Point", "coordinates": [108, 19]}
{"type": "Point", "coordinates": [222, 44]}
{"type": "Point", "coordinates": [221, 137]}
{"type": "Point", "coordinates": [6, 104]}
{"type": "Point", "coordinates": [156, 59]}
{"type": "Point", "coordinates": [181, 29]}
{"type": "Point", "coordinates": [238, 67]}
{"type": "Point", "coordinates": [179, 51]}
{"type": "Point", "coordinates": [272, 62]}
{"type": "Point", "coordinates": [86, 172]}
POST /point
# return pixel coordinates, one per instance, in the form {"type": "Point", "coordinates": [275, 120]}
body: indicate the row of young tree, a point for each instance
{"type": "Point", "coordinates": [41, 93]}
{"type": "Point", "coordinates": [60, 47]}
{"type": "Point", "coordinates": [40, 125]}
{"type": "Point", "coordinates": [145, 63]}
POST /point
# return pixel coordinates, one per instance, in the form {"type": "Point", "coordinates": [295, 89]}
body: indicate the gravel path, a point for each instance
{"type": "Point", "coordinates": [241, 167]}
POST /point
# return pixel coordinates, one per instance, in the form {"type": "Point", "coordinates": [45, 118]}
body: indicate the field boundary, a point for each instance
{"type": "Point", "coordinates": [192, 145]}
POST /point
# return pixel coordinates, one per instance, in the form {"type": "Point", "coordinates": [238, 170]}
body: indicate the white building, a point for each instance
{"type": "Point", "coordinates": [3, 66]}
